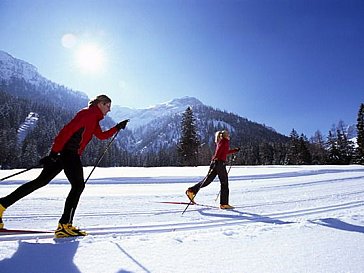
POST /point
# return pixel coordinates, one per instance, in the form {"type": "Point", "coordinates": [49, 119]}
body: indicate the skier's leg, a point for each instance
{"type": "Point", "coordinates": [224, 182]}
{"type": "Point", "coordinates": [49, 171]}
{"type": "Point", "coordinates": [74, 172]}
{"type": "Point", "coordinates": [205, 182]}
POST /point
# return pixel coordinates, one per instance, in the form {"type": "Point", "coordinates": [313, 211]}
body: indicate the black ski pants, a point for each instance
{"type": "Point", "coordinates": [218, 170]}
{"type": "Point", "coordinates": [70, 162]}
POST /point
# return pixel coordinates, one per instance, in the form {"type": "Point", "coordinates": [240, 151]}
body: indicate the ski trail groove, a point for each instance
{"type": "Point", "coordinates": [232, 218]}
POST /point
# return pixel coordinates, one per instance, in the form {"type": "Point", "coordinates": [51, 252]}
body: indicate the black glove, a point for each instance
{"type": "Point", "coordinates": [121, 125]}
{"type": "Point", "coordinates": [50, 159]}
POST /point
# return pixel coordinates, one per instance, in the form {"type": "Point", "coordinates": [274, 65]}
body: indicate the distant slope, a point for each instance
{"type": "Point", "coordinates": [159, 126]}
{"type": "Point", "coordinates": [22, 79]}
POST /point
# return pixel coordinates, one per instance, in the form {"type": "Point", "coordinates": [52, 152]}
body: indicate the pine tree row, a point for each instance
{"type": "Point", "coordinates": [193, 145]}
{"type": "Point", "coordinates": [337, 149]}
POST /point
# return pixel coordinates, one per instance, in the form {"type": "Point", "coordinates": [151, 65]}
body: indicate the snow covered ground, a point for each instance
{"type": "Point", "coordinates": [287, 219]}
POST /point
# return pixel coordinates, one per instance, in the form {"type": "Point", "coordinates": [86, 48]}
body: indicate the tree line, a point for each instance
{"type": "Point", "coordinates": [197, 126]}
{"type": "Point", "coordinates": [336, 149]}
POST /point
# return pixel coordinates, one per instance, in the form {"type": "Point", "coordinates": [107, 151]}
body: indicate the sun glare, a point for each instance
{"type": "Point", "coordinates": [90, 58]}
{"type": "Point", "coordinates": [69, 40]}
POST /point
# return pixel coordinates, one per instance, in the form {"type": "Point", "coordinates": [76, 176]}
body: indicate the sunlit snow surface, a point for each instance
{"type": "Point", "coordinates": [287, 219]}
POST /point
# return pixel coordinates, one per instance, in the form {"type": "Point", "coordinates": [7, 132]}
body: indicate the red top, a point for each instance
{"type": "Point", "coordinates": [222, 150]}
{"type": "Point", "coordinates": [78, 132]}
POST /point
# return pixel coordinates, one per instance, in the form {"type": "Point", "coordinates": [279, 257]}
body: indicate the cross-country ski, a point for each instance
{"type": "Point", "coordinates": [5, 231]}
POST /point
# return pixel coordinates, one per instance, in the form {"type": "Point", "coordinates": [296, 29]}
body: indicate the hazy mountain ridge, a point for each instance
{"type": "Point", "coordinates": [22, 79]}
{"type": "Point", "coordinates": [153, 130]}
{"type": "Point", "coordinates": [153, 122]}
{"type": "Point", "coordinates": [12, 67]}
{"type": "Point", "coordinates": [141, 117]}
{"type": "Point", "coordinates": [157, 127]}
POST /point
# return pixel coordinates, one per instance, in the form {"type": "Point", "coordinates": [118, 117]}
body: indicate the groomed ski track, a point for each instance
{"type": "Point", "coordinates": [289, 196]}
{"type": "Point", "coordinates": [246, 218]}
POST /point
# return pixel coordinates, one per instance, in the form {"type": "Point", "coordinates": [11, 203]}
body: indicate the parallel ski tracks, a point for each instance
{"type": "Point", "coordinates": [205, 209]}
{"type": "Point", "coordinates": [236, 217]}
{"type": "Point", "coordinates": [177, 210]}
{"type": "Point", "coordinates": [214, 218]}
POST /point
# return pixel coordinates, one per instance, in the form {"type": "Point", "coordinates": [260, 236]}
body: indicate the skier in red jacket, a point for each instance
{"type": "Point", "coordinates": [217, 168]}
{"type": "Point", "coordinates": [65, 155]}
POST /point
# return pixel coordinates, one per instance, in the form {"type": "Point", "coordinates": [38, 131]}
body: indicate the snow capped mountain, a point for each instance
{"type": "Point", "coordinates": [12, 67]}
{"type": "Point", "coordinates": [159, 127]}
{"type": "Point", "coordinates": [15, 70]}
{"type": "Point", "coordinates": [141, 117]}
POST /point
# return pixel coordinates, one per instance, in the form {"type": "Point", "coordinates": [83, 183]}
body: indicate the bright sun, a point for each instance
{"type": "Point", "coordinates": [90, 58]}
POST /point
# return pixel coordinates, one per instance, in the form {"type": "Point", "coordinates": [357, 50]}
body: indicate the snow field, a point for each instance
{"type": "Point", "coordinates": [287, 219]}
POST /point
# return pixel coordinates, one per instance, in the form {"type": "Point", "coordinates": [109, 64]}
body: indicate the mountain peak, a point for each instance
{"type": "Point", "coordinates": [15, 72]}
{"type": "Point", "coordinates": [12, 67]}
{"type": "Point", "coordinates": [177, 103]}
{"type": "Point", "coordinates": [185, 101]}
{"type": "Point", "coordinates": [141, 117]}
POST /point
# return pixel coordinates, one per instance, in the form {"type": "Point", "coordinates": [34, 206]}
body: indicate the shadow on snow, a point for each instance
{"type": "Point", "coordinates": [239, 215]}
{"type": "Point", "coordinates": [41, 257]}
{"type": "Point", "coordinates": [338, 224]}
{"type": "Point", "coordinates": [45, 257]}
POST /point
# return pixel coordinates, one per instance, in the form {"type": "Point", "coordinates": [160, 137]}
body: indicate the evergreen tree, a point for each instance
{"type": "Point", "coordinates": [266, 153]}
{"type": "Point", "coordinates": [340, 148]}
{"type": "Point", "coordinates": [298, 151]}
{"type": "Point", "coordinates": [360, 138]}
{"type": "Point", "coordinates": [333, 151]}
{"type": "Point", "coordinates": [317, 148]}
{"type": "Point", "coordinates": [345, 147]}
{"type": "Point", "coordinates": [279, 153]}
{"type": "Point", "coordinates": [292, 156]}
{"type": "Point", "coordinates": [189, 143]}
{"type": "Point", "coordinates": [304, 155]}
{"type": "Point", "coordinates": [29, 156]}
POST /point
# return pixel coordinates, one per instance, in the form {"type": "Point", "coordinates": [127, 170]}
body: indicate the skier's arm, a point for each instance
{"type": "Point", "coordinates": [106, 134]}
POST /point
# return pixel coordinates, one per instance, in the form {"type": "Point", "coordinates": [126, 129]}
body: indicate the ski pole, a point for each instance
{"type": "Point", "coordinates": [231, 163]}
{"type": "Point", "coordinates": [102, 155]}
{"type": "Point", "coordinates": [23, 171]}
{"type": "Point", "coordinates": [201, 184]}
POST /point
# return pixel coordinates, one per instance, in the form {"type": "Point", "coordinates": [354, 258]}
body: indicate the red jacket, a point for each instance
{"type": "Point", "coordinates": [222, 150]}
{"type": "Point", "coordinates": [75, 135]}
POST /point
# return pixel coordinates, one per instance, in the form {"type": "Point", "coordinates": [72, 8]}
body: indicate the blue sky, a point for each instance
{"type": "Point", "coordinates": [285, 63]}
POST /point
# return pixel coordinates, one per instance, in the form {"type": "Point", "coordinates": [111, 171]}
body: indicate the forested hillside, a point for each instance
{"type": "Point", "coordinates": [154, 133]}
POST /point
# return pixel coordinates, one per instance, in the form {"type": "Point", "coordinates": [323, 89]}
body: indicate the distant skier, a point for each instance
{"type": "Point", "coordinates": [65, 155]}
{"type": "Point", "coordinates": [217, 167]}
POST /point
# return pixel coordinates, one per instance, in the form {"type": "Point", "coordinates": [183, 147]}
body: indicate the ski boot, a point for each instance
{"type": "Point", "coordinates": [191, 196]}
{"type": "Point", "coordinates": [67, 230]}
{"type": "Point", "coordinates": [2, 209]}
{"type": "Point", "coordinates": [226, 206]}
